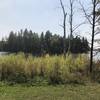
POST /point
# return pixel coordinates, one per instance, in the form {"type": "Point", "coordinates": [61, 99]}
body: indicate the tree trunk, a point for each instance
{"type": "Point", "coordinates": [93, 32]}
{"type": "Point", "coordinates": [64, 28]}
{"type": "Point", "coordinates": [71, 25]}
{"type": "Point", "coordinates": [64, 38]}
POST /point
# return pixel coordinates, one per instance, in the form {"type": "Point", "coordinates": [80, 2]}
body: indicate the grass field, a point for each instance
{"type": "Point", "coordinates": [63, 92]}
{"type": "Point", "coordinates": [37, 73]}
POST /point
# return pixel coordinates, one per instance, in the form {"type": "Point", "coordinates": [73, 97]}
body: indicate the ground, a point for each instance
{"type": "Point", "coordinates": [59, 92]}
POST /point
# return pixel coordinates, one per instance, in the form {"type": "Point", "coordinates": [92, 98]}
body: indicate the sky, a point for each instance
{"type": "Point", "coordinates": [37, 15]}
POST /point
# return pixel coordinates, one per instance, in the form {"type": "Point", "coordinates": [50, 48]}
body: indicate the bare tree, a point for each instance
{"type": "Point", "coordinates": [64, 27]}
{"type": "Point", "coordinates": [93, 20]}
{"type": "Point", "coordinates": [93, 34]}
{"type": "Point", "coordinates": [71, 2]}
{"type": "Point", "coordinates": [71, 17]}
{"type": "Point", "coordinates": [73, 27]}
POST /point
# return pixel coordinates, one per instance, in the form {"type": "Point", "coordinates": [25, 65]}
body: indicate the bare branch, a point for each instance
{"type": "Point", "coordinates": [78, 26]}
{"type": "Point", "coordinates": [85, 13]}
{"type": "Point", "coordinates": [97, 33]}
{"type": "Point", "coordinates": [61, 26]}
{"type": "Point", "coordinates": [63, 8]}
{"type": "Point", "coordinates": [64, 27]}
{"type": "Point", "coordinates": [96, 53]}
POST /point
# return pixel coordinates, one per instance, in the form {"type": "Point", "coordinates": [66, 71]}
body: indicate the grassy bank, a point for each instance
{"type": "Point", "coordinates": [62, 92]}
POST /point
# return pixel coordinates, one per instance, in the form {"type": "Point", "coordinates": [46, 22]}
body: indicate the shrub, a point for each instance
{"type": "Point", "coordinates": [57, 69]}
{"type": "Point", "coordinates": [96, 71]}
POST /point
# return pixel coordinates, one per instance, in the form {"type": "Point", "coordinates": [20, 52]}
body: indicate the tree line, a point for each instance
{"type": "Point", "coordinates": [30, 42]}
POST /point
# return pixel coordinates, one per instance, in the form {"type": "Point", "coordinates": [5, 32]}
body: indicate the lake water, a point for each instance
{"type": "Point", "coordinates": [3, 53]}
{"type": "Point", "coordinates": [96, 57]}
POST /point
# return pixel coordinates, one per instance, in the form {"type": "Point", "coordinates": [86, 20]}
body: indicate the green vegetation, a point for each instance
{"type": "Point", "coordinates": [18, 68]}
{"type": "Point", "coordinates": [29, 42]}
{"type": "Point", "coordinates": [48, 78]}
{"type": "Point", "coordinates": [21, 68]}
{"type": "Point", "coordinates": [62, 92]}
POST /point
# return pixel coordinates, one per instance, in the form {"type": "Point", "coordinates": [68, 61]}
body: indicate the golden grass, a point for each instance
{"type": "Point", "coordinates": [53, 67]}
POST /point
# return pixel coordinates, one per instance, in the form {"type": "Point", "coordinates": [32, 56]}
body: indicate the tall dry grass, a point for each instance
{"type": "Point", "coordinates": [56, 69]}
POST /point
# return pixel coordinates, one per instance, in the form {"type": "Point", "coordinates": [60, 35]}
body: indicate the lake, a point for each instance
{"type": "Point", "coordinates": [3, 53]}
{"type": "Point", "coordinates": [96, 57]}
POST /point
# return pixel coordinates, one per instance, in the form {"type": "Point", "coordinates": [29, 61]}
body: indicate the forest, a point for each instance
{"type": "Point", "coordinates": [29, 42]}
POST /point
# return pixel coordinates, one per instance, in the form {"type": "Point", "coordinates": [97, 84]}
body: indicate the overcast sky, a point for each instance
{"type": "Point", "coordinates": [37, 15]}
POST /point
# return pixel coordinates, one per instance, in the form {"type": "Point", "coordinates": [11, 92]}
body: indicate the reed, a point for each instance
{"type": "Point", "coordinates": [56, 69]}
